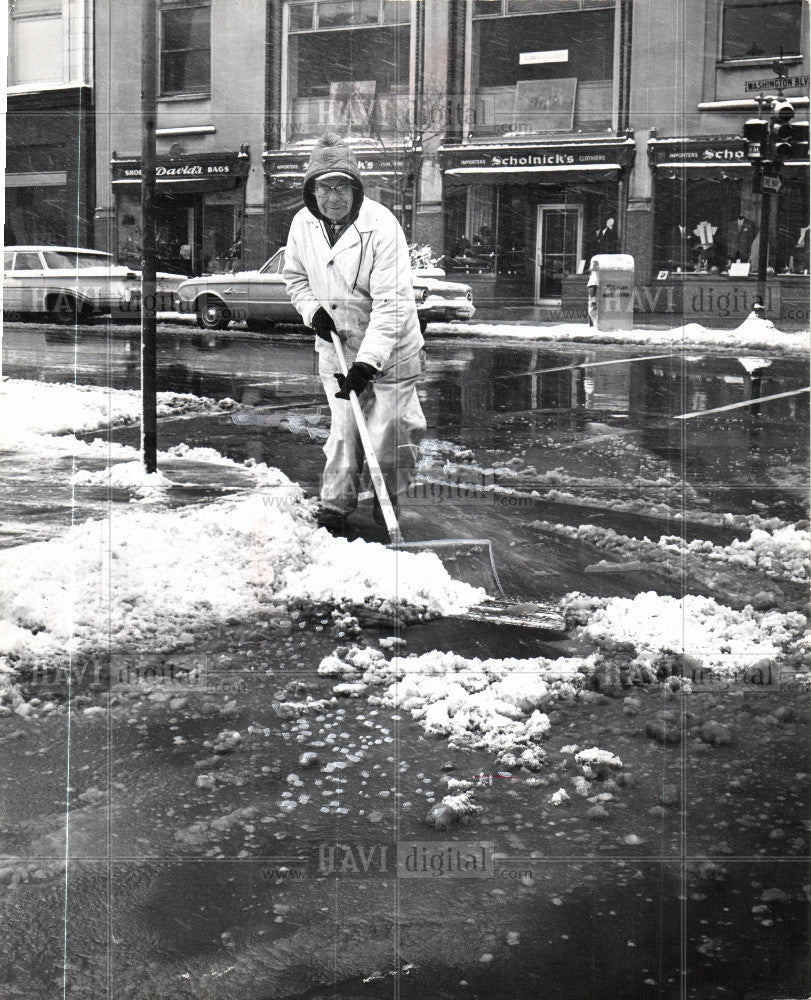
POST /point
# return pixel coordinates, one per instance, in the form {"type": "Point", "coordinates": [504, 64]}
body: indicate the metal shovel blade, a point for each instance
{"type": "Point", "coordinates": [471, 561]}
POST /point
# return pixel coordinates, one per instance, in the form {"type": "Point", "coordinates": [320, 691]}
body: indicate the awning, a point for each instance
{"type": "Point", "coordinates": [550, 162]}
{"type": "Point", "coordinates": [721, 154]}
{"type": "Point", "coordinates": [285, 168]}
{"type": "Point", "coordinates": [187, 171]}
{"type": "Point", "coordinates": [547, 174]}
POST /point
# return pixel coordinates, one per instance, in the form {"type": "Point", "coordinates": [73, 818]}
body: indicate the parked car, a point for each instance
{"type": "Point", "coordinates": [71, 284]}
{"type": "Point", "coordinates": [440, 299]}
{"type": "Point", "coordinates": [260, 297]}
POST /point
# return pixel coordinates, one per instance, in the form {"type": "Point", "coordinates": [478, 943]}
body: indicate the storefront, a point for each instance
{"type": "Point", "coordinates": [200, 202]}
{"type": "Point", "coordinates": [387, 177]}
{"type": "Point", "coordinates": [706, 205]}
{"type": "Point", "coordinates": [49, 179]}
{"type": "Point", "coordinates": [520, 217]}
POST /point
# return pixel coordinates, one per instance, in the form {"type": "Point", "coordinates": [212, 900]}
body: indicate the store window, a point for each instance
{"type": "Point", "coordinates": [761, 28]}
{"type": "Point", "coordinates": [185, 48]}
{"type": "Point", "coordinates": [349, 67]}
{"type": "Point", "coordinates": [35, 42]}
{"type": "Point", "coordinates": [703, 224]}
{"type": "Point", "coordinates": [542, 65]}
{"type": "Point", "coordinates": [39, 215]}
{"type": "Point", "coordinates": [492, 229]}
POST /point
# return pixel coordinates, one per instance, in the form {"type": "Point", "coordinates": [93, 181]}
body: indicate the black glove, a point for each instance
{"type": "Point", "coordinates": [356, 379]}
{"type": "Point", "coordinates": [323, 324]}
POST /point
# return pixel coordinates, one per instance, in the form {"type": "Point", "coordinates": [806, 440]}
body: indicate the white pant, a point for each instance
{"type": "Point", "coordinates": [396, 425]}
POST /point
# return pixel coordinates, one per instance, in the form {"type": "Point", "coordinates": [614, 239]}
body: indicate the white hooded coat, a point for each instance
{"type": "Point", "coordinates": [364, 282]}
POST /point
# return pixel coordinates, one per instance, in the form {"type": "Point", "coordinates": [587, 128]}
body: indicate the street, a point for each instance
{"type": "Point", "coordinates": [242, 800]}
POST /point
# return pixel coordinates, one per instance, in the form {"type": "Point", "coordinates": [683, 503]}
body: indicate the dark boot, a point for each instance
{"type": "Point", "coordinates": [330, 518]}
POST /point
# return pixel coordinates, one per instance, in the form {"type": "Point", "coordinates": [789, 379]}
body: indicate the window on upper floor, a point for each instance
{"type": "Point", "coordinates": [755, 29]}
{"type": "Point", "coordinates": [542, 65]}
{"type": "Point", "coordinates": [35, 42]}
{"type": "Point", "coordinates": [348, 67]}
{"type": "Point", "coordinates": [185, 47]}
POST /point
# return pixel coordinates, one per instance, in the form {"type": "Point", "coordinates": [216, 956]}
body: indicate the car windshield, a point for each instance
{"type": "Point", "coordinates": [69, 259]}
{"type": "Point", "coordinates": [275, 265]}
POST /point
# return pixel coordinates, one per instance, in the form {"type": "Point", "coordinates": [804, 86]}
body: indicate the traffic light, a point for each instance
{"type": "Point", "coordinates": [756, 134]}
{"type": "Point", "coordinates": [782, 130]}
{"type": "Point", "coordinates": [799, 140]}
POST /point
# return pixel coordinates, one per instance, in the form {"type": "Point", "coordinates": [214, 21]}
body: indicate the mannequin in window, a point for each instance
{"type": "Point", "coordinates": [738, 238]}
{"type": "Point", "coordinates": [483, 241]}
{"type": "Point", "coordinates": [799, 254]}
{"type": "Point", "coordinates": [605, 239]}
{"type": "Point", "coordinates": [707, 251]}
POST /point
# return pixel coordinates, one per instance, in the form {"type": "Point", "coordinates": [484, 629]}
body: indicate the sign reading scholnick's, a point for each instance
{"type": "Point", "coordinates": [571, 156]}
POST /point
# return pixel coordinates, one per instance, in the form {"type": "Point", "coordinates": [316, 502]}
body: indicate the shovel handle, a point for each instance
{"type": "Point", "coordinates": [378, 482]}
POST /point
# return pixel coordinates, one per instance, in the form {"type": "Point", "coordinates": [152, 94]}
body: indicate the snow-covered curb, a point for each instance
{"type": "Point", "coordinates": [757, 334]}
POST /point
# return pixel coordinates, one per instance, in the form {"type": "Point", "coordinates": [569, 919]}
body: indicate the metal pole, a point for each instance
{"type": "Point", "coordinates": [763, 252]}
{"type": "Point", "coordinates": [149, 85]}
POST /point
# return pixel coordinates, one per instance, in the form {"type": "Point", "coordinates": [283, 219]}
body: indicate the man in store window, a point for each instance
{"type": "Point", "coordinates": [347, 271]}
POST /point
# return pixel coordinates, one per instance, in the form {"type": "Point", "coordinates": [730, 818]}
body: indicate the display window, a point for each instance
{"type": "Point", "coordinates": [195, 233]}
{"type": "Point", "coordinates": [493, 229]}
{"type": "Point", "coordinates": [38, 216]}
{"type": "Point", "coordinates": [541, 66]}
{"type": "Point", "coordinates": [704, 225]}
{"type": "Point", "coordinates": [761, 28]}
{"type": "Point", "coordinates": [348, 68]}
{"type": "Point", "coordinates": [528, 237]}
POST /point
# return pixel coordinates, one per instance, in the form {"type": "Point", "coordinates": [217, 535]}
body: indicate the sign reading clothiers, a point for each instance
{"type": "Point", "coordinates": [565, 156]}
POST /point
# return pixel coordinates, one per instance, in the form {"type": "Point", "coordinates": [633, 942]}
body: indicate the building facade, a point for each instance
{"type": "Point", "coordinates": [516, 137]}
{"type": "Point", "coordinates": [210, 130]}
{"type": "Point", "coordinates": [50, 141]}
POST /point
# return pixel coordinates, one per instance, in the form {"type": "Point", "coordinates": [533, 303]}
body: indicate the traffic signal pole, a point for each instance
{"type": "Point", "coordinates": [149, 352]}
{"type": "Point", "coordinates": [763, 247]}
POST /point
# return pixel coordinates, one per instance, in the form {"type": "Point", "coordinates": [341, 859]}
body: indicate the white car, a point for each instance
{"type": "Point", "coordinates": [71, 284]}
{"type": "Point", "coordinates": [440, 299]}
{"type": "Point", "coordinates": [260, 297]}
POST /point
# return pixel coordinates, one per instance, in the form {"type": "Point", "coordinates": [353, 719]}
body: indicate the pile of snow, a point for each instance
{"type": "Point", "coordinates": [752, 334]}
{"type": "Point", "coordinates": [779, 551]}
{"type": "Point", "coordinates": [126, 475]}
{"type": "Point", "coordinates": [30, 407]}
{"type": "Point", "coordinates": [492, 704]}
{"type": "Point", "coordinates": [146, 578]}
{"type": "Point", "coordinates": [720, 640]}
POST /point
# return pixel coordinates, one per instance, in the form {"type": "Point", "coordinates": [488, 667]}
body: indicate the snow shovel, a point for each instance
{"type": "Point", "coordinates": [459, 555]}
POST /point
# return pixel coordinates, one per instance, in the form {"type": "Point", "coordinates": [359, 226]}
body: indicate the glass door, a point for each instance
{"type": "Point", "coordinates": [559, 246]}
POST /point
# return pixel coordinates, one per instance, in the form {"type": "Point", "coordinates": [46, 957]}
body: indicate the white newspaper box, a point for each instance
{"type": "Point", "coordinates": [611, 291]}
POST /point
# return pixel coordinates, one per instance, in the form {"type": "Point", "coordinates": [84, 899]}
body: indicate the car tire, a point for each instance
{"type": "Point", "coordinates": [65, 309]}
{"type": "Point", "coordinates": [212, 314]}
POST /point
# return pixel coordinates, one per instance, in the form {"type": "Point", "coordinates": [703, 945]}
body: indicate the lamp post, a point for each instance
{"type": "Point", "coordinates": [149, 87]}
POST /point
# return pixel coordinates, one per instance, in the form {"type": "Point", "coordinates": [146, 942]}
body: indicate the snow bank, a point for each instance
{"type": "Point", "coordinates": [147, 577]}
{"type": "Point", "coordinates": [779, 552]}
{"type": "Point", "coordinates": [718, 639]}
{"type": "Point", "coordinates": [127, 475]}
{"type": "Point", "coordinates": [30, 407]}
{"type": "Point", "coordinates": [757, 334]}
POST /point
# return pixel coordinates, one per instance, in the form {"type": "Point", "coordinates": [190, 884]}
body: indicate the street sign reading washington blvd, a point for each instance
{"type": "Point", "coordinates": [781, 83]}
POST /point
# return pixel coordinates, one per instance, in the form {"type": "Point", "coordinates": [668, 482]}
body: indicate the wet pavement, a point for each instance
{"type": "Point", "coordinates": [188, 871]}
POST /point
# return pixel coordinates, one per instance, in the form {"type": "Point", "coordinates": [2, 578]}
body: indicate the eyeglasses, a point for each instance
{"type": "Point", "coordinates": [340, 189]}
